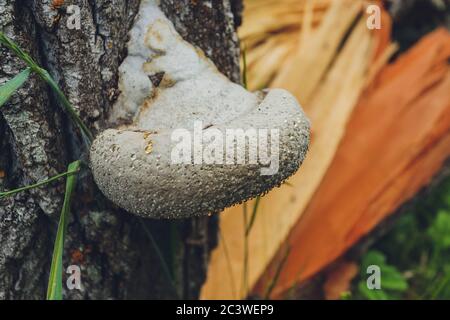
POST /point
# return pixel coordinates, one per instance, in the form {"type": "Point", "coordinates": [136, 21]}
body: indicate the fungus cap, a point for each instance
{"type": "Point", "coordinates": [194, 108]}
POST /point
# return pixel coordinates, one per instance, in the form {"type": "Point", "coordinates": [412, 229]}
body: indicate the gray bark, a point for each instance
{"type": "Point", "coordinates": [37, 141]}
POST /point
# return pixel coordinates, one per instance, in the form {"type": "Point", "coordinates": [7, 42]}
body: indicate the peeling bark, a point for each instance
{"type": "Point", "coordinates": [37, 141]}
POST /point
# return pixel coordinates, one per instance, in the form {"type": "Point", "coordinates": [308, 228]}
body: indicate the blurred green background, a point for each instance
{"type": "Point", "coordinates": [414, 256]}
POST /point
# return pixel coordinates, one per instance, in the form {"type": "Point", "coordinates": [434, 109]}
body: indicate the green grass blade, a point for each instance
{"type": "Point", "coordinates": [7, 89]}
{"type": "Point", "coordinates": [18, 51]}
{"type": "Point", "coordinates": [164, 265]}
{"type": "Point", "coordinates": [280, 266]}
{"type": "Point", "coordinates": [67, 105]}
{"type": "Point", "coordinates": [244, 286]}
{"type": "Point", "coordinates": [54, 290]}
{"type": "Point", "coordinates": [229, 267]}
{"type": "Point", "coordinates": [47, 78]}
{"type": "Point", "coordinates": [37, 185]}
{"type": "Point", "coordinates": [253, 217]}
{"type": "Point", "coordinates": [244, 71]}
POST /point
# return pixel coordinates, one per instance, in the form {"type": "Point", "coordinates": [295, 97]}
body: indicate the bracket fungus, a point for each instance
{"type": "Point", "coordinates": [197, 142]}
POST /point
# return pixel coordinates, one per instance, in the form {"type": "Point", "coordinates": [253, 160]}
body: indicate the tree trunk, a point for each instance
{"type": "Point", "coordinates": [37, 140]}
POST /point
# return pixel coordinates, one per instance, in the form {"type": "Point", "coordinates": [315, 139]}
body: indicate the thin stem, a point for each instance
{"type": "Point", "coordinates": [253, 217]}
{"type": "Point", "coordinates": [47, 78]}
{"type": "Point", "coordinates": [54, 289]}
{"type": "Point", "coordinates": [244, 62]}
{"type": "Point", "coordinates": [67, 105]}
{"type": "Point", "coordinates": [227, 258]}
{"type": "Point", "coordinates": [441, 286]}
{"type": "Point", "coordinates": [164, 265]}
{"type": "Point", "coordinates": [274, 281]}
{"type": "Point", "coordinates": [245, 266]}
{"type": "Point", "coordinates": [37, 185]}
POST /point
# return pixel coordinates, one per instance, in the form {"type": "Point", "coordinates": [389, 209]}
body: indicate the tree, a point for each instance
{"type": "Point", "coordinates": [119, 256]}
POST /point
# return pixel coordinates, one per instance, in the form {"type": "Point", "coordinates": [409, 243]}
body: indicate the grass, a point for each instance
{"type": "Point", "coordinates": [414, 255]}
{"type": "Point", "coordinates": [244, 64]}
{"type": "Point", "coordinates": [229, 267]}
{"type": "Point", "coordinates": [44, 75]}
{"type": "Point", "coordinates": [7, 90]}
{"type": "Point", "coordinates": [253, 216]}
{"type": "Point", "coordinates": [164, 265]}
{"type": "Point", "coordinates": [278, 270]}
{"type": "Point", "coordinates": [244, 285]}
{"type": "Point", "coordinates": [54, 290]}
{"type": "Point", "coordinates": [248, 223]}
{"type": "Point", "coordinates": [39, 184]}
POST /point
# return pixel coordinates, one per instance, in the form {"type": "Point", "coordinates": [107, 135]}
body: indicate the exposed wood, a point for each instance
{"type": "Point", "coordinates": [396, 141]}
{"type": "Point", "coordinates": [332, 98]}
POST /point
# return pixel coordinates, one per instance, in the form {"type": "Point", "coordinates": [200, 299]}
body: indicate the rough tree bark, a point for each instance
{"type": "Point", "coordinates": [37, 141]}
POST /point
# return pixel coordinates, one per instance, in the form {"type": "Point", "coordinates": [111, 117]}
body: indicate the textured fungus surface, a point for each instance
{"type": "Point", "coordinates": [133, 165]}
